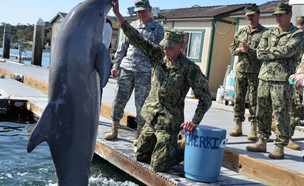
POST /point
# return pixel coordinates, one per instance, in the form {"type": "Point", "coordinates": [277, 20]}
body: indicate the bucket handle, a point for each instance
{"type": "Point", "coordinates": [224, 143]}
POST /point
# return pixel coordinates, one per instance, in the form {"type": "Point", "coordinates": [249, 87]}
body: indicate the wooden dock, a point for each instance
{"type": "Point", "coordinates": [239, 167]}
{"type": "Point", "coordinates": [14, 56]}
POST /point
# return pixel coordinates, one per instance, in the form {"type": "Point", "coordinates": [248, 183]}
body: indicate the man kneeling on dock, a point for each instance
{"type": "Point", "coordinates": [172, 76]}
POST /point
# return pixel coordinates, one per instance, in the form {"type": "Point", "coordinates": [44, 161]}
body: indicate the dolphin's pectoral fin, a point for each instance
{"type": "Point", "coordinates": [40, 132]}
{"type": "Point", "coordinates": [103, 65]}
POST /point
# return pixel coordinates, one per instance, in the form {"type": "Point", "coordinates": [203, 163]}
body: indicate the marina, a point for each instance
{"type": "Point", "coordinates": [27, 56]}
{"type": "Point", "coordinates": [239, 166]}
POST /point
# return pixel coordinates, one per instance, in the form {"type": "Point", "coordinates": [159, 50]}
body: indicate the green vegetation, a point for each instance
{"type": "Point", "coordinates": [24, 34]}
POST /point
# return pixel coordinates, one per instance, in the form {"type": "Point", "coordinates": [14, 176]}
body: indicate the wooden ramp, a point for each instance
{"type": "Point", "coordinates": [120, 152]}
{"type": "Point", "coordinates": [238, 164]}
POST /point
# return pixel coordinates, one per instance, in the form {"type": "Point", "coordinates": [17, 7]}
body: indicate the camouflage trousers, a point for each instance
{"type": "Point", "coordinates": [158, 147]}
{"type": "Point", "coordinates": [126, 82]}
{"type": "Point", "coordinates": [244, 82]}
{"type": "Point", "coordinates": [296, 112]}
{"type": "Point", "coordinates": [274, 97]}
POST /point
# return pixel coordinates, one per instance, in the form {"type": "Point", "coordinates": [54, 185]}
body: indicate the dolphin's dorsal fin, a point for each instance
{"type": "Point", "coordinates": [41, 131]}
{"type": "Point", "coordinates": [103, 64]}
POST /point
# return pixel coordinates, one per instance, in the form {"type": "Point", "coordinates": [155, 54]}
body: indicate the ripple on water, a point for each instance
{"type": "Point", "coordinates": [17, 167]}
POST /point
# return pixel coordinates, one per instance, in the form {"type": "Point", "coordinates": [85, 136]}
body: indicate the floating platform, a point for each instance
{"type": "Point", "coordinates": [13, 56]}
{"type": "Point", "coordinates": [239, 166]}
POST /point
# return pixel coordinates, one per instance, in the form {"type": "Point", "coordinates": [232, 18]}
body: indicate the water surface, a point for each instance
{"type": "Point", "coordinates": [17, 167]}
{"type": "Point", "coordinates": [45, 56]}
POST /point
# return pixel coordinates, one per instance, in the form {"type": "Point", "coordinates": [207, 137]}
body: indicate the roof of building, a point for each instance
{"type": "Point", "coordinates": [198, 12]}
{"type": "Point", "coordinates": [266, 8]}
{"type": "Point", "coordinates": [201, 12]}
{"type": "Point", "coordinates": [61, 14]}
{"type": "Point", "coordinates": [211, 11]}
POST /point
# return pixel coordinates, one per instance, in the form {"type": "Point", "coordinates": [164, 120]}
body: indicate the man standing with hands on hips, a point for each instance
{"type": "Point", "coordinates": [247, 69]}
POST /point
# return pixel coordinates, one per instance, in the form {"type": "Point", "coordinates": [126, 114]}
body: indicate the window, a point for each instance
{"type": "Point", "coordinates": [194, 44]}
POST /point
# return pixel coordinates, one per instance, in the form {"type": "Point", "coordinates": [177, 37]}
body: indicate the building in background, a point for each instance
{"type": "Point", "coordinates": [210, 31]}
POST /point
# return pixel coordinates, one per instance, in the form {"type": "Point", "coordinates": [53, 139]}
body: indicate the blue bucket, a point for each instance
{"type": "Point", "coordinates": [204, 153]}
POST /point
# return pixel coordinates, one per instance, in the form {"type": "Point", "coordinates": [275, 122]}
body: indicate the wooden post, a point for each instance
{"type": "Point", "coordinates": [6, 41]}
{"type": "Point", "coordinates": [20, 53]}
{"type": "Point", "coordinates": [38, 42]}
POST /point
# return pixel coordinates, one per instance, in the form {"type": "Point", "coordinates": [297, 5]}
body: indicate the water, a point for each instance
{"type": "Point", "coordinates": [19, 168]}
{"type": "Point", "coordinates": [45, 56]}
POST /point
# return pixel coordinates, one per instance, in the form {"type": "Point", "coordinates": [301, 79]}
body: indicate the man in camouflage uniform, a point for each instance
{"type": "Point", "coordinates": [134, 69]}
{"type": "Point", "coordinates": [300, 22]}
{"type": "Point", "coordinates": [247, 69]}
{"type": "Point", "coordinates": [279, 49]}
{"type": "Point", "coordinates": [172, 76]}
{"type": "Point", "coordinates": [297, 111]}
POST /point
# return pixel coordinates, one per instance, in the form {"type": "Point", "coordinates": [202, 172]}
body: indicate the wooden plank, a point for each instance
{"type": "Point", "coordinates": [106, 110]}
{"type": "Point", "coordinates": [7, 72]}
{"type": "Point", "coordinates": [130, 167]}
{"type": "Point", "coordinates": [34, 108]}
{"type": "Point", "coordinates": [36, 83]}
{"type": "Point", "coordinates": [261, 170]}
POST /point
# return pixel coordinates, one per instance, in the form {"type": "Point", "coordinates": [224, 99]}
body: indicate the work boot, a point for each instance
{"type": "Point", "coordinates": [237, 131]}
{"type": "Point", "coordinates": [114, 131]}
{"type": "Point", "coordinates": [139, 127]}
{"type": "Point", "coordinates": [277, 153]}
{"type": "Point", "coordinates": [259, 146]}
{"type": "Point", "coordinates": [293, 145]}
{"type": "Point", "coordinates": [252, 135]}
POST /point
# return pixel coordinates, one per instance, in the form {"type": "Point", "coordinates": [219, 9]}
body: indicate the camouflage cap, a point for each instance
{"type": "Point", "coordinates": [252, 9]}
{"type": "Point", "coordinates": [300, 20]}
{"type": "Point", "coordinates": [172, 37]}
{"type": "Point", "coordinates": [141, 5]}
{"type": "Point", "coordinates": [282, 8]}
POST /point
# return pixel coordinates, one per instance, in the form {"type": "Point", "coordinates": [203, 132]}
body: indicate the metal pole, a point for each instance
{"type": "Point", "coordinates": [6, 41]}
{"type": "Point", "coordinates": [38, 42]}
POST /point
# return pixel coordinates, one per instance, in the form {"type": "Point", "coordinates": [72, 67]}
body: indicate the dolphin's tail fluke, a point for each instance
{"type": "Point", "coordinates": [40, 132]}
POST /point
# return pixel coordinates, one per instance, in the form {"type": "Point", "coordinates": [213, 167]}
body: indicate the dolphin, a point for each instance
{"type": "Point", "coordinates": [79, 69]}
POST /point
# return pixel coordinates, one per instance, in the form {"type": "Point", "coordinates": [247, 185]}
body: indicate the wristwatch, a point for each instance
{"type": "Point", "coordinates": [195, 121]}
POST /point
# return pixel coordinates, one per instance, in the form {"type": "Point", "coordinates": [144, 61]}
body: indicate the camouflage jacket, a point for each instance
{"type": "Point", "coordinates": [247, 62]}
{"type": "Point", "coordinates": [282, 58]}
{"type": "Point", "coordinates": [130, 58]}
{"type": "Point", "coordinates": [170, 84]}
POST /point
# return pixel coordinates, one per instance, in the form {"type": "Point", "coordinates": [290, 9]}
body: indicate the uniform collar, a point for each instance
{"type": "Point", "coordinates": [287, 31]}
{"type": "Point", "coordinates": [257, 28]}
{"type": "Point", "coordinates": [142, 25]}
{"type": "Point", "coordinates": [175, 64]}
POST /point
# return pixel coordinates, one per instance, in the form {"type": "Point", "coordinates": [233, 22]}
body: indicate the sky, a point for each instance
{"type": "Point", "coordinates": [29, 11]}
